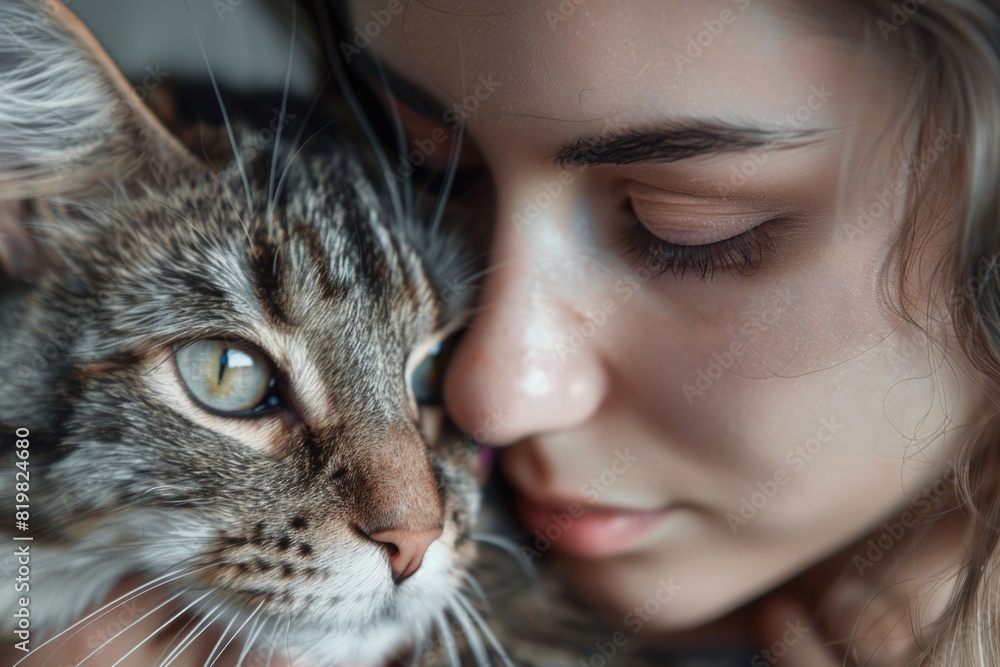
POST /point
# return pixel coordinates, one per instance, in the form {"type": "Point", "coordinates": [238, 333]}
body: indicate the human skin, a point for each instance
{"type": "Point", "coordinates": [824, 346]}
{"type": "Point", "coordinates": [834, 406]}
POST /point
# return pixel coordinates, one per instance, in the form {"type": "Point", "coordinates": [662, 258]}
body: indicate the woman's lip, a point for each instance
{"type": "Point", "coordinates": [581, 529]}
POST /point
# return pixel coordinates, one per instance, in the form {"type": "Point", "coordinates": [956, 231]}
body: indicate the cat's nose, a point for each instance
{"type": "Point", "coordinates": [406, 549]}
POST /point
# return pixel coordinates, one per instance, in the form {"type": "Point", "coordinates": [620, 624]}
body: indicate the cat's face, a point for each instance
{"type": "Point", "coordinates": [235, 403]}
{"type": "Point", "coordinates": [325, 306]}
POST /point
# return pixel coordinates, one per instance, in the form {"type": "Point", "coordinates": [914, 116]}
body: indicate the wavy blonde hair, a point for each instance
{"type": "Point", "coordinates": [952, 47]}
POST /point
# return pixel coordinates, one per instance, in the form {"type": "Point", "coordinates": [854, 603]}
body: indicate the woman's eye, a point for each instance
{"type": "Point", "coordinates": [427, 375]}
{"type": "Point", "coordinates": [227, 377]}
{"type": "Point", "coordinates": [740, 255]}
{"type": "Point", "coordinates": [700, 232]}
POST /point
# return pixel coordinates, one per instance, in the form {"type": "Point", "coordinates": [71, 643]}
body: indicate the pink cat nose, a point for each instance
{"type": "Point", "coordinates": [406, 548]}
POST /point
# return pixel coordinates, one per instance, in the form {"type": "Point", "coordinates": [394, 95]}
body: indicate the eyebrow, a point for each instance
{"type": "Point", "coordinates": [677, 140]}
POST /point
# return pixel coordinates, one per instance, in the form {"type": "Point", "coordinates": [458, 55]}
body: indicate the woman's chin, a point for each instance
{"type": "Point", "coordinates": [639, 595]}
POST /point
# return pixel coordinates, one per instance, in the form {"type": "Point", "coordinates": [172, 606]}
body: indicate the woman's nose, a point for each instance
{"type": "Point", "coordinates": [519, 371]}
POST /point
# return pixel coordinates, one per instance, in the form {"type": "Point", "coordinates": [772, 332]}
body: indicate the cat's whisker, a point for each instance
{"type": "Point", "coordinates": [340, 74]}
{"type": "Point", "coordinates": [485, 629]}
{"type": "Point", "coordinates": [295, 148]}
{"type": "Point", "coordinates": [200, 627]}
{"type": "Point", "coordinates": [511, 548]}
{"type": "Point", "coordinates": [452, 168]}
{"type": "Point", "coordinates": [225, 115]}
{"type": "Point", "coordinates": [236, 634]}
{"type": "Point", "coordinates": [176, 638]}
{"type": "Point", "coordinates": [221, 647]}
{"type": "Point", "coordinates": [255, 628]}
{"type": "Point", "coordinates": [108, 607]}
{"type": "Point", "coordinates": [248, 645]}
{"type": "Point", "coordinates": [477, 589]}
{"type": "Point", "coordinates": [281, 119]}
{"type": "Point", "coordinates": [418, 649]}
{"type": "Point", "coordinates": [448, 640]}
{"type": "Point", "coordinates": [86, 549]}
{"type": "Point", "coordinates": [228, 195]}
{"type": "Point", "coordinates": [273, 644]}
{"type": "Point", "coordinates": [482, 273]}
{"type": "Point", "coordinates": [163, 626]}
{"type": "Point", "coordinates": [453, 158]}
{"type": "Point", "coordinates": [397, 124]}
{"type": "Point", "coordinates": [299, 149]}
{"type": "Point", "coordinates": [471, 633]}
{"type": "Point", "coordinates": [288, 630]}
{"type": "Point", "coordinates": [132, 625]}
{"type": "Point", "coordinates": [269, 642]}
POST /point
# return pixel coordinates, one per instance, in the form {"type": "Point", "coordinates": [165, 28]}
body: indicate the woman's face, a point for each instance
{"type": "Point", "coordinates": [685, 337]}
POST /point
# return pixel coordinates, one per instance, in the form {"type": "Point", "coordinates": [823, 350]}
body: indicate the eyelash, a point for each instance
{"type": "Point", "coordinates": [741, 254]}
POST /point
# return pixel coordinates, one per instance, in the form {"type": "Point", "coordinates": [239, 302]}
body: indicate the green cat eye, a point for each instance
{"type": "Point", "coordinates": [225, 376]}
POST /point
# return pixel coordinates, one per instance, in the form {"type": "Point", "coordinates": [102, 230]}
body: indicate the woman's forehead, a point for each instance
{"type": "Point", "coordinates": [573, 62]}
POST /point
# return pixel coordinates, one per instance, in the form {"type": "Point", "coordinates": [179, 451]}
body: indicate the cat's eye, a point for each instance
{"type": "Point", "coordinates": [226, 377]}
{"type": "Point", "coordinates": [427, 368]}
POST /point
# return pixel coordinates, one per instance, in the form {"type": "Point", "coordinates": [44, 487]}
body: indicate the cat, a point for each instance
{"type": "Point", "coordinates": [220, 375]}
{"type": "Point", "coordinates": [208, 375]}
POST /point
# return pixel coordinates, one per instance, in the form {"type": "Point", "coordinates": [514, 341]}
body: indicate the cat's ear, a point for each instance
{"type": "Point", "coordinates": [70, 123]}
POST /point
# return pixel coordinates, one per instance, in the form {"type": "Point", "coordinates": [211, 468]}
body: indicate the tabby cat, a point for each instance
{"type": "Point", "coordinates": [216, 379]}
{"type": "Point", "coordinates": [208, 377]}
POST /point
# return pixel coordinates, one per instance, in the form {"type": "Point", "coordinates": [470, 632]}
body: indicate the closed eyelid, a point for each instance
{"type": "Point", "coordinates": [697, 228]}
